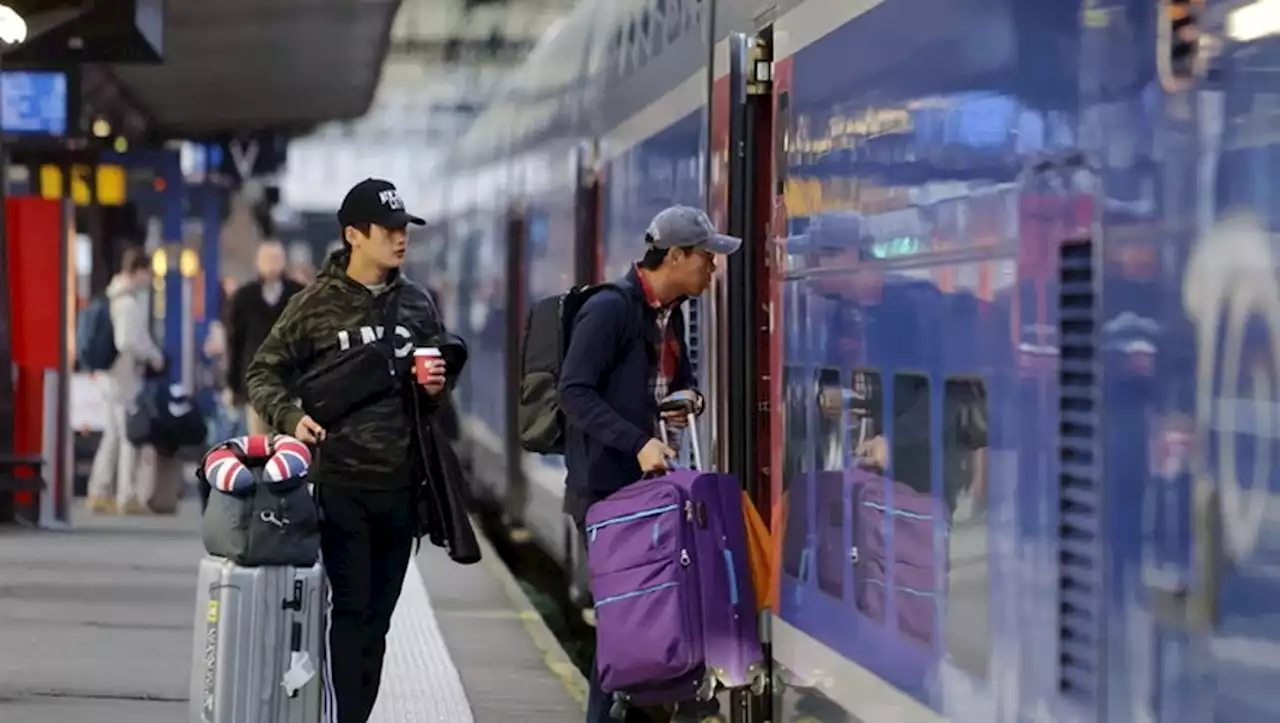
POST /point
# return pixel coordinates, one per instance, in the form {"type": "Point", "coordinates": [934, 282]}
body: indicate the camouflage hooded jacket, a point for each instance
{"type": "Point", "coordinates": [334, 315]}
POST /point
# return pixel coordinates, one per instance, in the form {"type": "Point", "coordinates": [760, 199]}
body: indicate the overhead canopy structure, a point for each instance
{"type": "Point", "coordinates": [249, 65]}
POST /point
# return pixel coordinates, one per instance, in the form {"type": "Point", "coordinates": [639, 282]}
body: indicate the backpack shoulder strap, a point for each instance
{"type": "Point", "coordinates": [634, 328]}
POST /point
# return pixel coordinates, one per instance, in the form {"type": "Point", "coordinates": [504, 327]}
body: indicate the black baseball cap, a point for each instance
{"type": "Point", "coordinates": [375, 201]}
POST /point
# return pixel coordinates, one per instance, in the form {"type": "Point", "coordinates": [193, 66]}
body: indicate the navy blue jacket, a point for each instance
{"type": "Point", "coordinates": [609, 409]}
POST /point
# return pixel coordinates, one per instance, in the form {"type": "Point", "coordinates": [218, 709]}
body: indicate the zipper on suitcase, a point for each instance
{"type": "Point", "coordinates": [620, 519]}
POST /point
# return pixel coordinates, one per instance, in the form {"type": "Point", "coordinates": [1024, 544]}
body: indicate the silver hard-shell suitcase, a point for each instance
{"type": "Point", "coordinates": [259, 644]}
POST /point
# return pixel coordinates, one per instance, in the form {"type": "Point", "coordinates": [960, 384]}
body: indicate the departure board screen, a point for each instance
{"type": "Point", "coordinates": [33, 102]}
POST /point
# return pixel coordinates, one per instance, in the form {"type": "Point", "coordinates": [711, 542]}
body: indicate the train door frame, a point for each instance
{"type": "Point", "coordinates": [744, 333]}
{"type": "Point", "coordinates": [517, 496]}
{"type": "Point", "coordinates": [588, 268]}
{"type": "Point", "coordinates": [588, 256]}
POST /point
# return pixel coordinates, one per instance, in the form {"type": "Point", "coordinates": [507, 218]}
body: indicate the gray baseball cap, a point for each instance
{"type": "Point", "coordinates": [687, 227]}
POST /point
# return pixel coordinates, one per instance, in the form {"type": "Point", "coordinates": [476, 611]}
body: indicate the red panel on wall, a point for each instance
{"type": "Point", "coordinates": [33, 227]}
{"type": "Point", "coordinates": [28, 413]}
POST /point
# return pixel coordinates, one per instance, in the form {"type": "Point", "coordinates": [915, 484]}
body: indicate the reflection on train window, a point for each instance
{"type": "Point", "coordinates": [848, 416]}
{"type": "Point", "coordinates": [828, 482]}
{"type": "Point", "coordinates": [912, 573]}
{"type": "Point", "coordinates": [828, 443]}
{"type": "Point", "coordinates": [797, 393]}
{"type": "Point", "coordinates": [865, 406]}
{"type": "Point", "coordinates": [964, 485]}
{"type": "Point", "coordinates": [912, 449]}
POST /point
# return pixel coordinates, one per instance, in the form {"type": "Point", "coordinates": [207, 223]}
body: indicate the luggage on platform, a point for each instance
{"type": "Point", "coordinates": [259, 644]}
{"type": "Point", "coordinates": [675, 609]}
{"type": "Point", "coordinates": [260, 509]}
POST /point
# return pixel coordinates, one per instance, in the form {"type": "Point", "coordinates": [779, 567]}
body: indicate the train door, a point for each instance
{"type": "Point", "coordinates": [1210, 553]}
{"type": "Point", "coordinates": [588, 268]}
{"type": "Point", "coordinates": [513, 505]}
{"type": "Point", "coordinates": [742, 176]}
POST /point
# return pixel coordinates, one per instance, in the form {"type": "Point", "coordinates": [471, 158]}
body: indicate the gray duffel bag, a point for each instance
{"type": "Point", "coordinates": [260, 512]}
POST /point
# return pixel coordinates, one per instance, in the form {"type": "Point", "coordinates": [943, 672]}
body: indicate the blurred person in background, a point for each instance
{"type": "Point", "coordinates": [115, 480]}
{"type": "Point", "coordinates": [252, 312]}
{"type": "Point", "coordinates": [215, 341]}
{"type": "Point", "coordinates": [302, 272]}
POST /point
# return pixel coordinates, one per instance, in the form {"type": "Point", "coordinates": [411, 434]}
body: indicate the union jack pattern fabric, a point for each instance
{"type": "Point", "coordinates": [226, 473]}
{"type": "Point", "coordinates": [280, 457]}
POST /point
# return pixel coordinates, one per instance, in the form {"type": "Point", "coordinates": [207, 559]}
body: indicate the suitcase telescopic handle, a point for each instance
{"type": "Point", "coordinates": [685, 402]}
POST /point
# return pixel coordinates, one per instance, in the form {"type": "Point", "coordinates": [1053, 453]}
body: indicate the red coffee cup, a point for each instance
{"type": "Point", "coordinates": [425, 360]}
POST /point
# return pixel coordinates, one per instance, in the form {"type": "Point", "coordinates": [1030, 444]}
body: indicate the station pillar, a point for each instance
{"type": "Point", "coordinates": [209, 286]}
{"type": "Point", "coordinates": [172, 210]}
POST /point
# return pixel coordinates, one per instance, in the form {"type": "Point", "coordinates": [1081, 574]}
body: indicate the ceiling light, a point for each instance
{"type": "Point", "coordinates": [13, 29]}
{"type": "Point", "coordinates": [1254, 21]}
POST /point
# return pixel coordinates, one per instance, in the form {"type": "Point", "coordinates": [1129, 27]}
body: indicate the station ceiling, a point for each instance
{"type": "Point", "coordinates": [229, 65]}
{"type": "Point", "coordinates": [245, 65]}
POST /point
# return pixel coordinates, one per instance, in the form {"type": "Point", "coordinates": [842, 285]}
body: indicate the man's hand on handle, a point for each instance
{"type": "Point", "coordinates": [655, 457]}
{"type": "Point", "coordinates": [678, 418]}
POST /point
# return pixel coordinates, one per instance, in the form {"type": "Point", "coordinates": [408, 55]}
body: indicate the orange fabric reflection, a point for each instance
{"type": "Point", "coordinates": [760, 555]}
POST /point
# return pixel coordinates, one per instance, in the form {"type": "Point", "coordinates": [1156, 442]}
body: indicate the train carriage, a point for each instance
{"type": "Point", "coordinates": [997, 360]}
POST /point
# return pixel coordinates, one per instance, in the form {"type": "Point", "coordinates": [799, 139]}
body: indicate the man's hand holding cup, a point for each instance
{"type": "Point", "coordinates": [429, 366]}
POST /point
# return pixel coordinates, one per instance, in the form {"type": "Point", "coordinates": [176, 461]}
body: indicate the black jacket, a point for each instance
{"type": "Point", "coordinates": [442, 501]}
{"type": "Point", "coordinates": [248, 320]}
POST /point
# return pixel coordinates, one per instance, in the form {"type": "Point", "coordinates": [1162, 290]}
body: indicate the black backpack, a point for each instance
{"type": "Point", "coordinates": [164, 416]}
{"type": "Point", "coordinates": [95, 336]}
{"type": "Point", "coordinates": [542, 350]}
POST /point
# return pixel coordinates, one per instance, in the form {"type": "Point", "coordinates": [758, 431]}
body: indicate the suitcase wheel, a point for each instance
{"type": "Point", "coordinates": [618, 711]}
{"type": "Point", "coordinates": [707, 688]}
{"type": "Point", "coordinates": [759, 680]}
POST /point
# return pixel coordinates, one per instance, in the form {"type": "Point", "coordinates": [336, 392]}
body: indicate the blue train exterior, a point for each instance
{"type": "Point", "coordinates": [1028, 245]}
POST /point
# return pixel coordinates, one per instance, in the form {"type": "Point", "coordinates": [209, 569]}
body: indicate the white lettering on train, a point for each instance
{"type": "Point", "coordinates": [1230, 288]}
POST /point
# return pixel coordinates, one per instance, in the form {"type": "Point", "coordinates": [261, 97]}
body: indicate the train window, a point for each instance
{"type": "Point", "coordinates": [911, 449]}
{"type": "Point", "coordinates": [964, 485]}
{"type": "Point", "coordinates": [796, 391]}
{"type": "Point", "coordinates": [866, 415]}
{"type": "Point", "coordinates": [896, 577]}
{"type": "Point", "coordinates": [846, 416]}
{"type": "Point", "coordinates": [829, 442]}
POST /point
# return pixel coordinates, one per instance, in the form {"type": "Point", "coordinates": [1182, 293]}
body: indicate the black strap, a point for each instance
{"type": "Point", "coordinates": [390, 317]}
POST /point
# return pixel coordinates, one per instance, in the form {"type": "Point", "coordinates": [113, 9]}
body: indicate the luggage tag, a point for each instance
{"type": "Point", "coordinates": [301, 671]}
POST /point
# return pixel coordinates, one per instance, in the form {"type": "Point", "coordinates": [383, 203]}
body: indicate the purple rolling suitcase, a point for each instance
{"type": "Point", "coordinates": [675, 608]}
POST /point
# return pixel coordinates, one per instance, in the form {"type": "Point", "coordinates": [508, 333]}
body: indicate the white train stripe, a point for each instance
{"type": "Point", "coordinates": [685, 98]}
{"type": "Point", "coordinates": [797, 28]}
{"type": "Point", "coordinates": [808, 22]}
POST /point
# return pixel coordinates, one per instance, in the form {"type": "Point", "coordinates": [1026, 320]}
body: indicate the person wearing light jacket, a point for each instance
{"type": "Point", "coordinates": [115, 483]}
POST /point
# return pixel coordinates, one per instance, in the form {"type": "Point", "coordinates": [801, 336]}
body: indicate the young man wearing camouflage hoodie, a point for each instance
{"type": "Point", "coordinates": [366, 469]}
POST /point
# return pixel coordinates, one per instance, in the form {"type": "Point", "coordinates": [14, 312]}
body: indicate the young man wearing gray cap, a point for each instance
{"type": "Point", "coordinates": [627, 353]}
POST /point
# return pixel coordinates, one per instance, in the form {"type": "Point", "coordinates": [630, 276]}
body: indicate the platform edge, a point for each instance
{"type": "Point", "coordinates": [553, 655]}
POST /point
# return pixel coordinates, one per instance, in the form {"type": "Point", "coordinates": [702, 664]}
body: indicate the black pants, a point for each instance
{"type": "Point", "coordinates": [367, 538]}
